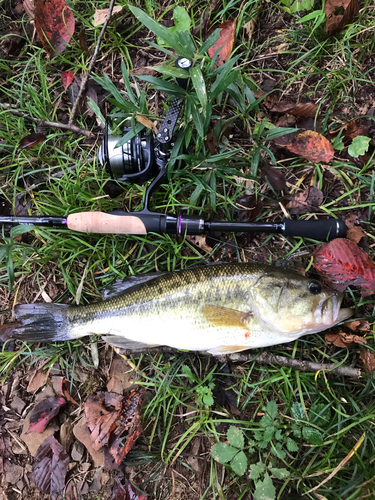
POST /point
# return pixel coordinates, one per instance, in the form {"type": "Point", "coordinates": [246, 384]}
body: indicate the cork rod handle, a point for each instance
{"type": "Point", "coordinates": [100, 222]}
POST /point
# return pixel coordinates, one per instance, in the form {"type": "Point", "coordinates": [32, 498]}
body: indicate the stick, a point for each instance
{"type": "Point", "coordinates": [91, 65]}
{"type": "Point", "coordinates": [265, 359]}
{"type": "Point", "coordinates": [63, 126]}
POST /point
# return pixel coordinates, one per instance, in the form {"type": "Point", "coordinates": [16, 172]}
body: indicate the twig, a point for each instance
{"type": "Point", "coordinates": [266, 359]}
{"type": "Point", "coordinates": [63, 126]}
{"type": "Point", "coordinates": [91, 65]}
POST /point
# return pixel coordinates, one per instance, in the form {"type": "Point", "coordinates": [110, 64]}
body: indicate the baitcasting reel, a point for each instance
{"type": "Point", "coordinates": [143, 157]}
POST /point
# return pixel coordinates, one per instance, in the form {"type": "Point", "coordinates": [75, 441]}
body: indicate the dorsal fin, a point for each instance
{"type": "Point", "coordinates": [128, 284]}
{"type": "Point", "coordinates": [223, 316]}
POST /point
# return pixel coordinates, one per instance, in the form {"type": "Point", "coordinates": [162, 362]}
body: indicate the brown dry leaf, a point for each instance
{"type": "Point", "coordinates": [342, 339]}
{"type": "Point", "coordinates": [38, 380]}
{"type": "Point", "coordinates": [307, 109]}
{"type": "Point", "coordinates": [121, 375]}
{"type": "Point", "coordinates": [274, 176]}
{"type": "Point", "coordinates": [350, 130]}
{"type": "Point", "coordinates": [226, 40]}
{"type": "Point", "coordinates": [102, 411]}
{"type": "Point", "coordinates": [29, 7]}
{"type": "Point", "coordinates": [368, 360]}
{"type": "Point", "coordinates": [82, 433]}
{"type": "Point", "coordinates": [306, 201]}
{"type": "Point", "coordinates": [341, 263]}
{"type": "Point", "coordinates": [101, 14]}
{"type": "Point", "coordinates": [35, 439]}
{"type": "Point", "coordinates": [351, 220]}
{"type": "Point", "coordinates": [355, 234]}
{"type": "Point", "coordinates": [339, 13]}
{"type": "Point", "coordinates": [211, 142]}
{"type": "Point", "coordinates": [312, 146]}
{"type": "Point", "coordinates": [199, 241]}
{"type": "Point", "coordinates": [250, 207]}
{"type": "Point", "coordinates": [145, 121]}
{"type": "Point", "coordinates": [362, 325]}
{"type": "Point", "coordinates": [54, 23]}
{"type": "Point", "coordinates": [249, 28]}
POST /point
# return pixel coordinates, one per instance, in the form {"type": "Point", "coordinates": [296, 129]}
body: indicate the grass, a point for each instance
{"type": "Point", "coordinates": [179, 410]}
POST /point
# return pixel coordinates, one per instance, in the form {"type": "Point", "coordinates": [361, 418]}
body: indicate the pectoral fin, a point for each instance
{"type": "Point", "coordinates": [223, 316]}
{"type": "Point", "coordinates": [227, 349]}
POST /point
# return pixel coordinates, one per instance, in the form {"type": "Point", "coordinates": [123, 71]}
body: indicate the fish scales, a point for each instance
{"type": "Point", "coordinates": [168, 309]}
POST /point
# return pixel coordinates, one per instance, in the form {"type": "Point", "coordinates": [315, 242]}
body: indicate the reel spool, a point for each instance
{"type": "Point", "coordinates": [132, 162]}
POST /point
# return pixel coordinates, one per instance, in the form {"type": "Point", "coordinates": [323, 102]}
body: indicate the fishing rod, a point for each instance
{"type": "Point", "coordinates": [144, 157]}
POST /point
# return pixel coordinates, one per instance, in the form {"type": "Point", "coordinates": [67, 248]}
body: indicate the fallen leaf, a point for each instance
{"type": "Point", "coordinates": [49, 469]}
{"type": "Point", "coordinates": [249, 28]}
{"type": "Point", "coordinates": [350, 130]}
{"type": "Point", "coordinates": [362, 325]}
{"type": "Point", "coordinates": [101, 14]}
{"type": "Point", "coordinates": [121, 375]}
{"type": "Point", "coordinates": [250, 207]}
{"type": "Point", "coordinates": [123, 489]}
{"type": "Point", "coordinates": [35, 439]}
{"type": "Point", "coordinates": [312, 146]}
{"type": "Point", "coordinates": [199, 241]}
{"type": "Point", "coordinates": [102, 411]}
{"type": "Point", "coordinates": [274, 176]}
{"type": "Point", "coordinates": [225, 42]}
{"type": "Point", "coordinates": [82, 433]}
{"type": "Point", "coordinates": [44, 412]}
{"type": "Point", "coordinates": [308, 109]}
{"type": "Point", "coordinates": [83, 42]}
{"type": "Point", "coordinates": [211, 142]}
{"type": "Point", "coordinates": [38, 380]}
{"type": "Point", "coordinates": [341, 263]}
{"type": "Point", "coordinates": [351, 220]}
{"type": "Point", "coordinates": [65, 392]}
{"type": "Point", "coordinates": [145, 121]}
{"type": "Point", "coordinates": [54, 23]}
{"type": "Point", "coordinates": [355, 234]}
{"type": "Point", "coordinates": [339, 13]}
{"type": "Point", "coordinates": [67, 78]}
{"type": "Point", "coordinates": [368, 360]}
{"type": "Point", "coordinates": [342, 339]}
{"type": "Point", "coordinates": [29, 7]}
{"type": "Point", "coordinates": [30, 140]}
{"type": "Point", "coordinates": [129, 426]}
{"type": "Point", "coordinates": [306, 201]}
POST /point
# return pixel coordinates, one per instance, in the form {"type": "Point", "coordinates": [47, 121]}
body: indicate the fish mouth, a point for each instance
{"type": "Point", "coordinates": [331, 312]}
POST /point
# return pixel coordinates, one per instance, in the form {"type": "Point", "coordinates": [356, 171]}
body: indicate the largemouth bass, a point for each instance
{"type": "Point", "coordinates": [223, 308]}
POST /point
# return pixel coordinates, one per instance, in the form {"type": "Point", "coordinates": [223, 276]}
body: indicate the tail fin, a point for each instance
{"type": "Point", "coordinates": [41, 323]}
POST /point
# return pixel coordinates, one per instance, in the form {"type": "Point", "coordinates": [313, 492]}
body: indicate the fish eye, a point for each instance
{"type": "Point", "coordinates": [314, 287]}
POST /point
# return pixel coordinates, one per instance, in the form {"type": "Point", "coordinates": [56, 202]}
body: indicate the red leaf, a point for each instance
{"type": "Point", "coordinates": [44, 412]}
{"type": "Point", "coordinates": [341, 263]}
{"type": "Point", "coordinates": [49, 469]}
{"type": "Point", "coordinates": [226, 40]}
{"type": "Point", "coordinates": [67, 78]}
{"type": "Point", "coordinates": [124, 490]}
{"type": "Point", "coordinates": [54, 23]}
{"type": "Point", "coordinates": [129, 427]}
{"type": "Point", "coordinates": [340, 13]}
{"type": "Point", "coordinates": [312, 146]}
{"type": "Point", "coordinates": [30, 140]}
